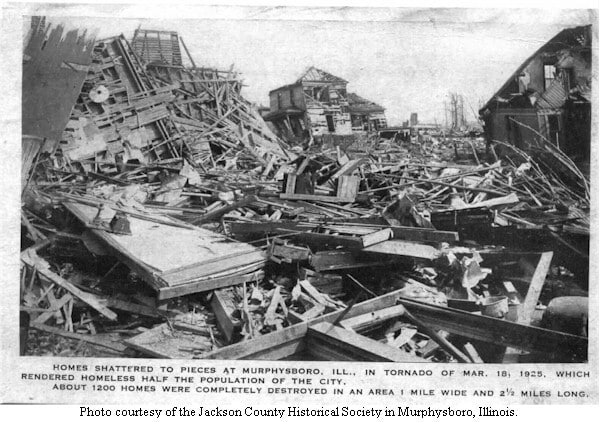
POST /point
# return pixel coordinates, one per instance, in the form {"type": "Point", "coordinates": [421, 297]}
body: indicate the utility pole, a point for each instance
{"type": "Point", "coordinates": [445, 115]}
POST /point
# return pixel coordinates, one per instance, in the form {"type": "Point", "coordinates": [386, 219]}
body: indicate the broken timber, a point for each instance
{"type": "Point", "coordinates": [336, 343]}
{"type": "Point", "coordinates": [283, 343]}
{"type": "Point", "coordinates": [497, 331]}
{"type": "Point", "coordinates": [288, 341]}
{"type": "Point", "coordinates": [30, 258]}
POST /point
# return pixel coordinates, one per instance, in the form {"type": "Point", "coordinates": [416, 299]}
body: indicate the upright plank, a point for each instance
{"type": "Point", "coordinates": [535, 288]}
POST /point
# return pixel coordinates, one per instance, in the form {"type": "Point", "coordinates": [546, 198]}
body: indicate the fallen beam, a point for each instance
{"type": "Point", "coordinates": [331, 342]}
{"type": "Point", "coordinates": [218, 213]}
{"type": "Point", "coordinates": [369, 320]}
{"type": "Point", "coordinates": [498, 331]}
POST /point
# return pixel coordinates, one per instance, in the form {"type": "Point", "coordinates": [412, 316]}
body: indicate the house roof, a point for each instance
{"type": "Point", "coordinates": [312, 74]}
{"type": "Point", "coordinates": [284, 87]}
{"type": "Point", "coordinates": [358, 104]}
{"type": "Point", "coordinates": [566, 38]}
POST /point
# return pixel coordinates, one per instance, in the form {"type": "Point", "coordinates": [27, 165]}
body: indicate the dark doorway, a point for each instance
{"type": "Point", "coordinates": [330, 124]}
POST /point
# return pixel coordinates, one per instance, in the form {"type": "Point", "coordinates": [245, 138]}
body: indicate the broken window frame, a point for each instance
{"type": "Point", "coordinates": [550, 74]}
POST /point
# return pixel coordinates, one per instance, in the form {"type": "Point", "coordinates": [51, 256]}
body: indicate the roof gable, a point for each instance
{"type": "Point", "coordinates": [312, 74]}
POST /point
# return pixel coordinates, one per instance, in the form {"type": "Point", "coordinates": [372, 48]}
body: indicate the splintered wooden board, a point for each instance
{"type": "Point", "coordinates": [175, 255]}
{"type": "Point", "coordinates": [403, 248]}
{"type": "Point", "coordinates": [162, 342]}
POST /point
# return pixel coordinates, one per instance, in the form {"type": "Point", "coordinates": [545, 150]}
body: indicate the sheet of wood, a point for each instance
{"type": "Point", "coordinates": [166, 247]}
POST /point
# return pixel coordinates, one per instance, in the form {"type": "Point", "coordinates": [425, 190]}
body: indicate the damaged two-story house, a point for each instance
{"type": "Point", "coordinates": [550, 93]}
{"type": "Point", "coordinates": [318, 104]}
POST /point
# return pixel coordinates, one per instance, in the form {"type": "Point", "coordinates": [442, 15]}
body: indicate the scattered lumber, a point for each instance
{"type": "Point", "coordinates": [171, 205]}
{"type": "Point", "coordinates": [41, 267]}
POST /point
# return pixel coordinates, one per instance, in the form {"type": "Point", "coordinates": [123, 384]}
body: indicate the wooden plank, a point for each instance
{"type": "Point", "coordinates": [313, 312]}
{"type": "Point", "coordinates": [223, 266]}
{"type": "Point", "coordinates": [208, 283]}
{"type": "Point", "coordinates": [535, 288]}
{"type": "Point", "coordinates": [494, 202]}
{"type": "Point", "coordinates": [95, 340]}
{"type": "Point", "coordinates": [56, 306]}
{"type": "Point", "coordinates": [472, 352]}
{"type": "Point", "coordinates": [163, 342]}
{"type": "Point", "coordinates": [289, 252]}
{"type": "Point", "coordinates": [348, 168]}
{"type": "Point", "coordinates": [272, 309]}
{"type": "Point", "coordinates": [216, 214]}
{"type": "Point", "coordinates": [406, 333]}
{"type": "Point", "coordinates": [526, 309]}
{"type": "Point", "coordinates": [336, 260]}
{"type": "Point", "coordinates": [30, 258]}
{"type": "Point", "coordinates": [223, 307]}
{"type": "Point", "coordinates": [193, 328]}
{"type": "Point", "coordinates": [322, 241]}
{"type": "Point", "coordinates": [498, 331]}
{"type": "Point", "coordinates": [274, 345]}
{"type": "Point", "coordinates": [404, 248]}
{"type": "Point", "coordinates": [376, 237]}
{"type": "Point", "coordinates": [418, 234]}
{"type": "Point", "coordinates": [314, 293]}
{"type": "Point", "coordinates": [269, 227]}
{"type": "Point", "coordinates": [322, 198]}
{"type": "Point", "coordinates": [348, 187]}
{"type": "Point", "coordinates": [367, 321]}
{"type": "Point", "coordinates": [133, 308]}
{"type": "Point", "coordinates": [350, 346]}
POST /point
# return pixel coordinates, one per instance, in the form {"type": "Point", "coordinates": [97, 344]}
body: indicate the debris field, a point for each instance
{"type": "Point", "coordinates": [162, 217]}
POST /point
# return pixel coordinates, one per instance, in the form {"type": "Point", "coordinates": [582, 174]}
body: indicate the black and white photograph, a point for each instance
{"type": "Point", "coordinates": [307, 185]}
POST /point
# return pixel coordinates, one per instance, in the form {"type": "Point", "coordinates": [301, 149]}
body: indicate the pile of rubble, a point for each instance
{"type": "Point", "coordinates": [167, 220]}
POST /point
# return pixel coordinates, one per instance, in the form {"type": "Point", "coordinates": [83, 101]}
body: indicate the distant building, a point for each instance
{"type": "Point", "coordinates": [425, 129]}
{"type": "Point", "coordinates": [318, 104]}
{"type": "Point", "coordinates": [414, 119]}
{"type": "Point", "coordinates": [549, 93]}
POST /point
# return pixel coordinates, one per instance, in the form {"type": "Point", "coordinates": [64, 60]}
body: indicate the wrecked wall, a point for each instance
{"type": "Point", "coordinates": [321, 120]}
{"type": "Point", "coordinates": [287, 97]}
{"type": "Point", "coordinates": [500, 125]}
{"type": "Point", "coordinates": [55, 64]}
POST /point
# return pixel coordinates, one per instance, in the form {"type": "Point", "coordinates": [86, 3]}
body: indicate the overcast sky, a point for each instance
{"type": "Point", "coordinates": [407, 60]}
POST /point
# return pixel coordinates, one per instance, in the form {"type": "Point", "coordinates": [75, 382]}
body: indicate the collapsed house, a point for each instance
{"type": "Point", "coordinates": [161, 217]}
{"type": "Point", "coordinates": [548, 96]}
{"type": "Point", "coordinates": [318, 104]}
